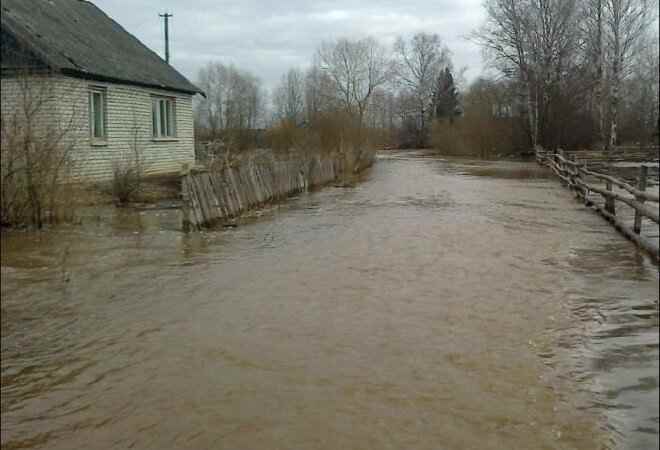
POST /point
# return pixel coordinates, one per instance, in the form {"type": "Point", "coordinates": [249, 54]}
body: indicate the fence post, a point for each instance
{"type": "Point", "coordinates": [575, 174]}
{"type": "Point", "coordinates": [587, 202]}
{"type": "Point", "coordinates": [562, 167]}
{"type": "Point", "coordinates": [643, 170]}
{"type": "Point", "coordinates": [609, 201]}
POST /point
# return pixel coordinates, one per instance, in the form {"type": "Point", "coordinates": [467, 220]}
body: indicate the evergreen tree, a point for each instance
{"type": "Point", "coordinates": [445, 97]}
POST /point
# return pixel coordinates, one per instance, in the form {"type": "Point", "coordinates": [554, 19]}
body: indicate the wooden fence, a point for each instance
{"type": "Point", "coordinates": [217, 193]}
{"type": "Point", "coordinates": [646, 153]}
{"type": "Point", "coordinates": [624, 205]}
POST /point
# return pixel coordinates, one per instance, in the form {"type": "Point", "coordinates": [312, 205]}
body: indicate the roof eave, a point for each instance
{"type": "Point", "coordinates": [97, 77]}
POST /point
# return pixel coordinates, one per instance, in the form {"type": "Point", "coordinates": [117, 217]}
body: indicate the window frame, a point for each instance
{"type": "Point", "coordinates": [102, 92]}
{"type": "Point", "coordinates": [163, 118]}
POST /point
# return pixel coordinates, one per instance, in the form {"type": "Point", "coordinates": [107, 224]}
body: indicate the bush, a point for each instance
{"type": "Point", "coordinates": [286, 136]}
{"type": "Point", "coordinates": [450, 139]}
{"type": "Point", "coordinates": [128, 172]}
{"type": "Point", "coordinates": [126, 181]}
{"type": "Point", "coordinates": [480, 137]}
{"type": "Point", "coordinates": [35, 156]}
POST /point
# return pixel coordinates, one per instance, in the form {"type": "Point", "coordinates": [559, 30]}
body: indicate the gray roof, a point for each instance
{"type": "Point", "coordinates": [76, 38]}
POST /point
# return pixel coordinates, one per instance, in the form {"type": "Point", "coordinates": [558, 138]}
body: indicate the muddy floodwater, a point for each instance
{"type": "Point", "coordinates": [438, 304]}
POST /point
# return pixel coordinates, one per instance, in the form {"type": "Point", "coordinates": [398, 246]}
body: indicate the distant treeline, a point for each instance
{"type": "Point", "coordinates": [564, 73]}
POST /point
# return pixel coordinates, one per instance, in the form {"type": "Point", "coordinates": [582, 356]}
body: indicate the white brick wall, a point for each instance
{"type": "Point", "coordinates": [128, 124]}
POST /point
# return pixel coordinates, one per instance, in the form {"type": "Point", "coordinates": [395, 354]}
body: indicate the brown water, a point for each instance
{"type": "Point", "coordinates": [436, 305]}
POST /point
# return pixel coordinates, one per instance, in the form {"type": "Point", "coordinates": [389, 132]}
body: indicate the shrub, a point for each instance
{"type": "Point", "coordinates": [128, 171]}
{"type": "Point", "coordinates": [481, 137]}
{"type": "Point", "coordinates": [36, 153]}
{"type": "Point", "coordinates": [126, 181]}
{"type": "Point", "coordinates": [334, 131]}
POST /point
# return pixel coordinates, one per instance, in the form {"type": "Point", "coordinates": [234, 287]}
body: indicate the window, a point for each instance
{"type": "Point", "coordinates": [163, 117]}
{"type": "Point", "coordinates": [97, 114]}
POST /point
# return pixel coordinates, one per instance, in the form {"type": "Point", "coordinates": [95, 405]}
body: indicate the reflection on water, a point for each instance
{"type": "Point", "coordinates": [437, 304]}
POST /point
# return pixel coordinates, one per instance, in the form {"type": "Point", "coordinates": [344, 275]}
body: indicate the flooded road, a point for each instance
{"type": "Point", "coordinates": [436, 305]}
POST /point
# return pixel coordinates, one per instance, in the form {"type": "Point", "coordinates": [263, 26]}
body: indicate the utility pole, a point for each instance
{"type": "Point", "coordinates": [167, 36]}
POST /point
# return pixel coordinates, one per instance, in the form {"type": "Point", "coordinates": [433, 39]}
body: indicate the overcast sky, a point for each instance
{"type": "Point", "coordinates": [268, 37]}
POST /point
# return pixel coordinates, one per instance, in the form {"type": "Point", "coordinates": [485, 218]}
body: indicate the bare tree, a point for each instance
{"type": "Point", "coordinates": [356, 69]}
{"type": "Point", "coordinates": [313, 94]}
{"type": "Point", "coordinates": [320, 93]}
{"type": "Point", "coordinates": [592, 30]}
{"type": "Point", "coordinates": [289, 97]}
{"type": "Point", "coordinates": [212, 79]}
{"type": "Point", "coordinates": [539, 42]}
{"type": "Point", "coordinates": [506, 39]}
{"type": "Point", "coordinates": [242, 99]}
{"type": "Point", "coordinates": [234, 99]}
{"type": "Point", "coordinates": [380, 110]}
{"type": "Point", "coordinates": [626, 23]}
{"type": "Point", "coordinates": [554, 41]}
{"type": "Point", "coordinates": [638, 117]}
{"type": "Point", "coordinates": [419, 63]}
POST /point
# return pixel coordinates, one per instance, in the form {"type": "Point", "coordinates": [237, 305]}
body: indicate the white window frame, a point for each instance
{"type": "Point", "coordinates": [103, 135]}
{"type": "Point", "coordinates": [163, 127]}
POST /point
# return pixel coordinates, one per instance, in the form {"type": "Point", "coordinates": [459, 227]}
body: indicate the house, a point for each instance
{"type": "Point", "coordinates": [116, 97]}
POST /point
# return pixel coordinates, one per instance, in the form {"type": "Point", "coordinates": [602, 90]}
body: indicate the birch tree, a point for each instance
{"type": "Point", "coordinates": [592, 33]}
{"type": "Point", "coordinates": [554, 34]}
{"type": "Point", "coordinates": [537, 39]}
{"type": "Point", "coordinates": [505, 38]}
{"type": "Point", "coordinates": [626, 23]}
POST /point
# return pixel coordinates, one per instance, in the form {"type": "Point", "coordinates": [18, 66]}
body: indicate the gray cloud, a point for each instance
{"type": "Point", "coordinates": [267, 38]}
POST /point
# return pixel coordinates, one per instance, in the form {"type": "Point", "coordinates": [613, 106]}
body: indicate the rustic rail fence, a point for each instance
{"type": "Point", "coordinates": [634, 202]}
{"type": "Point", "coordinates": [640, 153]}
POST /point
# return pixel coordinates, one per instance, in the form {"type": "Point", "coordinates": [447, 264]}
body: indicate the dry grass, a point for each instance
{"type": "Point", "coordinates": [153, 189]}
{"type": "Point", "coordinates": [156, 188]}
{"type": "Point", "coordinates": [328, 132]}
